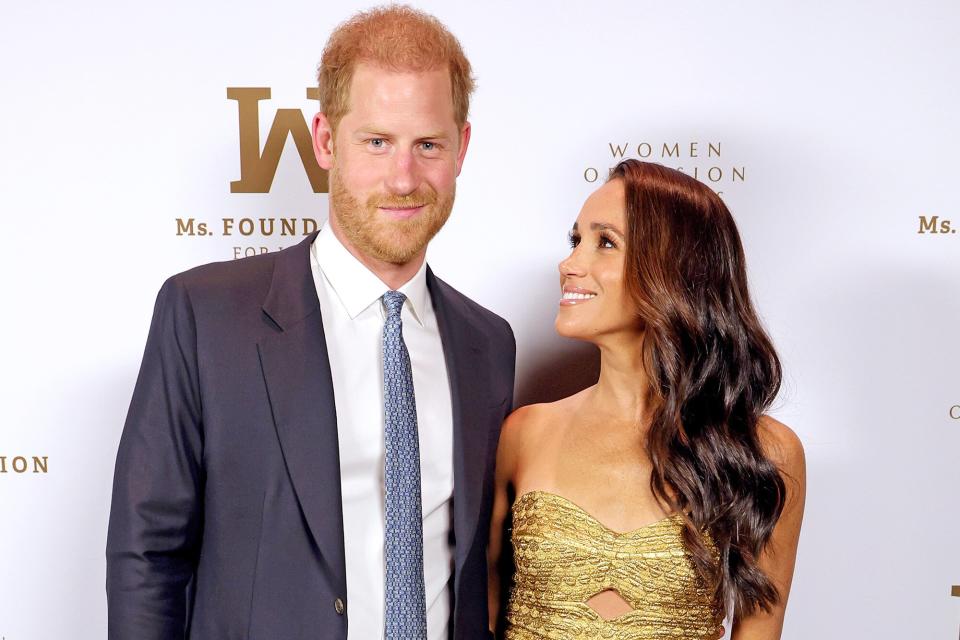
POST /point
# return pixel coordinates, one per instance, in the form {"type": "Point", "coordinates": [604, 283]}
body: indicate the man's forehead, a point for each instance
{"type": "Point", "coordinates": [367, 77]}
{"type": "Point", "coordinates": [371, 67]}
{"type": "Point", "coordinates": [385, 92]}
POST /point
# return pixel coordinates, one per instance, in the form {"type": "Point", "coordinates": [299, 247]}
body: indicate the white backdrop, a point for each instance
{"type": "Point", "coordinates": [839, 119]}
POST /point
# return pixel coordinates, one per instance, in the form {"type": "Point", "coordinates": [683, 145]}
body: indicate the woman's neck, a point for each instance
{"type": "Point", "coordinates": [622, 388]}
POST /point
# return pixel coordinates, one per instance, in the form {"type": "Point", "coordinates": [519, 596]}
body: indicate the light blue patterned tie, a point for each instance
{"type": "Point", "coordinates": [405, 606]}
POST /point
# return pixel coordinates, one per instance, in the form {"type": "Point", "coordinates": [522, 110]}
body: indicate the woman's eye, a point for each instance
{"type": "Point", "coordinates": [573, 239]}
{"type": "Point", "coordinates": [607, 243]}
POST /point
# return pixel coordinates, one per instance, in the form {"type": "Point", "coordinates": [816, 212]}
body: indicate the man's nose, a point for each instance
{"type": "Point", "coordinates": [402, 178]}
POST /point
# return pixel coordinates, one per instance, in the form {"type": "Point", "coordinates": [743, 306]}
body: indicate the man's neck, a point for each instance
{"type": "Point", "coordinates": [392, 275]}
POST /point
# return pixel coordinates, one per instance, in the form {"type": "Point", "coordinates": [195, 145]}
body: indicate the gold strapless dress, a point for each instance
{"type": "Point", "coordinates": [564, 557]}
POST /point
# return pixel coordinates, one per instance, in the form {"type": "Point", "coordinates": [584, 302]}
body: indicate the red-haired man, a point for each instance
{"type": "Point", "coordinates": [312, 435]}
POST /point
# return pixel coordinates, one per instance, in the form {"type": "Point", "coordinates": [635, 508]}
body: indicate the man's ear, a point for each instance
{"type": "Point", "coordinates": [464, 141]}
{"type": "Point", "coordinates": [322, 135]}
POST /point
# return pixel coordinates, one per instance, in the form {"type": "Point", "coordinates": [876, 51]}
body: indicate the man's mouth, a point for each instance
{"type": "Point", "coordinates": [402, 212]}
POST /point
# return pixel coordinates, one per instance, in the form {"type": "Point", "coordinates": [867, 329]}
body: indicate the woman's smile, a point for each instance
{"type": "Point", "coordinates": [575, 295]}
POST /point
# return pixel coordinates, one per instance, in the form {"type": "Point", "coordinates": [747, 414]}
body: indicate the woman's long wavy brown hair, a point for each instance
{"type": "Point", "coordinates": [712, 371]}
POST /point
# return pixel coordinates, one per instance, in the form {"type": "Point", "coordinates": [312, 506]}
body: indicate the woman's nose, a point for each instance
{"type": "Point", "coordinates": [571, 265]}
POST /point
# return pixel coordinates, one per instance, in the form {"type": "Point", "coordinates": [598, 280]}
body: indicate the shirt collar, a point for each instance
{"type": "Point", "coordinates": [355, 285]}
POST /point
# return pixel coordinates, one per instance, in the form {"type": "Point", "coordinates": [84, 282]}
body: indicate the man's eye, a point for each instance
{"type": "Point", "coordinates": [429, 146]}
{"type": "Point", "coordinates": [377, 143]}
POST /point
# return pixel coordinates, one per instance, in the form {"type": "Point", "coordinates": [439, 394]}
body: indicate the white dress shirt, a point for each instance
{"type": "Point", "coordinates": [353, 318]}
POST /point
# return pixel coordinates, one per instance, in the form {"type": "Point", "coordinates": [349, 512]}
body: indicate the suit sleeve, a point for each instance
{"type": "Point", "coordinates": [511, 342]}
{"type": "Point", "coordinates": [155, 525]}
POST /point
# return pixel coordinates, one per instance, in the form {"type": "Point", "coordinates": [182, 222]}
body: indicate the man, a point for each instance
{"type": "Point", "coordinates": [309, 448]}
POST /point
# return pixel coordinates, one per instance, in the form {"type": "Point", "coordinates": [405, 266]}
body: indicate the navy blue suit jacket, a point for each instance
{"type": "Point", "coordinates": [226, 520]}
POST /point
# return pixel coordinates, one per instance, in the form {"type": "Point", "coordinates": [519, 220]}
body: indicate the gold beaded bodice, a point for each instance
{"type": "Point", "coordinates": [564, 557]}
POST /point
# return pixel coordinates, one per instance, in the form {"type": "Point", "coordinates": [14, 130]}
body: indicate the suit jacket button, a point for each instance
{"type": "Point", "coordinates": [338, 606]}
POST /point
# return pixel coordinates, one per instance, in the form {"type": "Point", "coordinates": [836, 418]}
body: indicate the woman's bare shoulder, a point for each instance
{"type": "Point", "coordinates": [782, 446]}
{"type": "Point", "coordinates": [523, 423]}
{"type": "Point", "coordinates": [514, 440]}
{"type": "Point", "coordinates": [524, 429]}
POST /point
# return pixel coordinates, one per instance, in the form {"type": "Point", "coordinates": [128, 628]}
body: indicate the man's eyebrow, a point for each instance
{"type": "Point", "coordinates": [375, 130]}
{"type": "Point", "coordinates": [372, 130]}
{"type": "Point", "coordinates": [604, 226]}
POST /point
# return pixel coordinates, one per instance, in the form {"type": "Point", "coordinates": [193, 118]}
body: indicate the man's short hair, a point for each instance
{"type": "Point", "coordinates": [395, 37]}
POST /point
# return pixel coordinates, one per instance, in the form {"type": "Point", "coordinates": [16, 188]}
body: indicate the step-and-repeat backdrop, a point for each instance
{"type": "Point", "coordinates": [140, 139]}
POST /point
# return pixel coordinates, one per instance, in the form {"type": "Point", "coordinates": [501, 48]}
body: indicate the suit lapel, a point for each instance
{"type": "Point", "coordinates": [463, 351]}
{"type": "Point", "coordinates": [296, 369]}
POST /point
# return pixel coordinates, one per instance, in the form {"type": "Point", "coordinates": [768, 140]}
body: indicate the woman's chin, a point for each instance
{"type": "Point", "coordinates": [569, 329]}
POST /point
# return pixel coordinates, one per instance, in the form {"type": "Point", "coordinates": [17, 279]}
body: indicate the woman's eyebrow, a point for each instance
{"type": "Point", "coordinates": [603, 226]}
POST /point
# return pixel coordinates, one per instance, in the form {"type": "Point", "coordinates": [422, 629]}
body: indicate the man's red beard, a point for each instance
{"type": "Point", "coordinates": [373, 234]}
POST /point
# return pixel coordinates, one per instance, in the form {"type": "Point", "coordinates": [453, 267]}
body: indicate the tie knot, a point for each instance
{"type": "Point", "coordinates": [393, 301]}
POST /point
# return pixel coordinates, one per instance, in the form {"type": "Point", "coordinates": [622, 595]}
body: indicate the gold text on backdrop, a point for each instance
{"type": "Point", "coordinates": [698, 159]}
{"type": "Point", "coordinates": [933, 224]}
{"type": "Point", "coordinates": [20, 464]}
{"type": "Point", "coordinates": [257, 168]}
{"type": "Point", "coordinates": [269, 226]}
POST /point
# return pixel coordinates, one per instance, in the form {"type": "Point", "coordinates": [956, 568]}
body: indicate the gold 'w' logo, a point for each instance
{"type": "Point", "coordinates": [257, 168]}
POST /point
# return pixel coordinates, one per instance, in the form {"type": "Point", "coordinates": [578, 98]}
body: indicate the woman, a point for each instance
{"type": "Point", "coordinates": [661, 498]}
